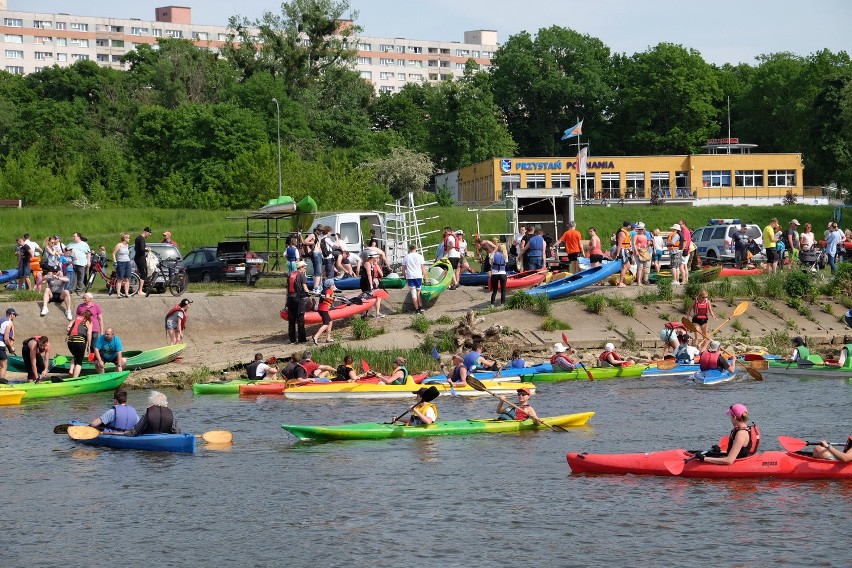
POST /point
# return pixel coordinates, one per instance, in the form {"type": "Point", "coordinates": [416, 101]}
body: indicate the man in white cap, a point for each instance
{"type": "Point", "coordinates": [712, 359]}
{"type": "Point", "coordinates": [791, 239]}
{"type": "Point", "coordinates": [675, 246]}
{"type": "Point", "coordinates": [561, 359]}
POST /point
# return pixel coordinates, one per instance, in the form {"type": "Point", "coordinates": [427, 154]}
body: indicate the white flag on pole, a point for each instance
{"type": "Point", "coordinates": [582, 160]}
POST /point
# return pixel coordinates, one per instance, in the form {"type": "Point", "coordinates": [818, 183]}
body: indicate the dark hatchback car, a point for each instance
{"type": "Point", "coordinates": [229, 261]}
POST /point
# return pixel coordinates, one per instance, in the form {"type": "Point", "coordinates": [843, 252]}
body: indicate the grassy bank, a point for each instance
{"type": "Point", "coordinates": [193, 228]}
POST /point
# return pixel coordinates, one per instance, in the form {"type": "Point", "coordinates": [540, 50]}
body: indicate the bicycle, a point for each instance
{"type": "Point", "coordinates": [167, 275]}
{"type": "Point", "coordinates": [111, 280]}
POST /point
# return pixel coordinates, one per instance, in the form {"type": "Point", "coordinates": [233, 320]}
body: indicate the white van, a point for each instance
{"type": "Point", "coordinates": [354, 228]}
{"type": "Point", "coordinates": [714, 242]}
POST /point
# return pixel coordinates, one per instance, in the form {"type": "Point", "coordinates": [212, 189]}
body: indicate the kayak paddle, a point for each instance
{"type": "Point", "coordinates": [793, 445]}
{"type": "Point", "coordinates": [428, 396]}
{"type": "Point", "coordinates": [667, 364]}
{"type": "Point", "coordinates": [753, 372]}
{"type": "Point", "coordinates": [738, 311]}
{"type": "Point", "coordinates": [437, 357]}
{"type": "Point", "coordinates": [89, 433]}
{"type": "Point", "coordinates": [476, 384]}
{"type": "Point", "coordinates": [675, 467]}
{"type": "Point", "coordinates": [579, 363]}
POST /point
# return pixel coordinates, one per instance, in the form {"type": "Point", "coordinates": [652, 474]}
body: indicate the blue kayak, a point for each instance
{"type": "Point", "coordinates": [473, 279]}
{"type": "Point", "coordinates": [505, 374]}
{"type": "Point", "coordinates": [564, 286]}
{"type": "Point", "coordinates": [712, 377]}
{"type": "Point", "coordinates": [8, 275]}
{"type": "Point", "coordinates": [181, 443]}
{"type": "Point", "coordinates": [680, 370]}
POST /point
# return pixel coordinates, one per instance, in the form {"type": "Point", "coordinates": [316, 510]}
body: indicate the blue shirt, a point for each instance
{"type": "Point", "coordinates": [536, 246]}
{"type": "Point", "coordinates": [472, 359]}
{"type": "Point", "coordinates": [109, 348]}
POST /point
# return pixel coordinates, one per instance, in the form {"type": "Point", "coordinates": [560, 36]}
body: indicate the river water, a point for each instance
{"type": "Point", "coordinates": [467, 501]}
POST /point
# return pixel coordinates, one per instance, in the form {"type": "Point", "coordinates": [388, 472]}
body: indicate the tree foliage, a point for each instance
{"type": "Point", "coordinates": [403, 171]}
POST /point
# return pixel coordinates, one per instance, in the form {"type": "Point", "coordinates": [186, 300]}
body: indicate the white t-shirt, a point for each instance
{"type": "Point", "coordinates": [260, 372]}
{"type": "Point", "coordinates": [463, 248]}
{"type": "Point", "coordinates": [659, 243]}
{"type": "Point", "coordinates": [413, 263]}
{"type": "Point", "coordinates": [34, 247]}
{"type": "Point", "coordinates": [451, 250]}
{"type": "Point", "coordinates": [3, 327]}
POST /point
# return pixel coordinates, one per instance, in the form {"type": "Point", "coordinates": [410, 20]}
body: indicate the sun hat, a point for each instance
{"type": "Point", "coordinates": [524, 390]}
{"type": "Point", "coordinates": [460, 232]}
{"type": "Point", "coordinates": [609, 347]}
{"type": "Point", "coordinates": [167, 234]}
{"type": "Point", "coordinates": [794, 222]}
{"type": "Point", "coordinates": [301, 264]}
{"type": "Point", "coordinates": [737, 410]}
{"type": "Point", "coordinates": [559, 348]}
{"type": "Point", "coordinates": [421, 391]}
{"type": "Point", "coordinates": [640, 225]}
{"type": "Point", "coordinates": [675, 227]}
{"type": "Point", "coordinates": [714, 346]}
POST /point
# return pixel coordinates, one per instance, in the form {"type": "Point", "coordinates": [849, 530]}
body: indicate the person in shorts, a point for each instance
{"type": "Point", "coordinates": [56, 290]}
{"type": "Point", "coordinates": [414, 272]}
{"type": "Point", "coordinates": [323, 310]}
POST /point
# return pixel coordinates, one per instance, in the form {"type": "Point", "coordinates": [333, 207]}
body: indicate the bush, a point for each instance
{"type": "Point", "coordinates": [551, 323]}
{"type": "Point", "coordinates": [798, 284]}
{"type": "Point", "coordinates": [623, 305]}
{"type": "Point", "coordinates": [773, 286]}
{"type": "Point", "coordinates": [361, 329]}
{"type": "Point", "coordinates": [842, 279]}
{"type": "Point", "coordinates": [595, 303]}
{"type": "Point", "coordinates": [664, 289]}
{"type": "Point", "coordinates": [420, 323]}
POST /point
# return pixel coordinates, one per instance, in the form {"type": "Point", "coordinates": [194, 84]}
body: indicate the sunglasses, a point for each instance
{"type": "Point", "coordinates": [523, 394]}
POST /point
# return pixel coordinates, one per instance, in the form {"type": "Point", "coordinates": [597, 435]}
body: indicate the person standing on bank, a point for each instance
{"type": "Point", "coordinates": [140, 247]}
{"type": "Point", "coordinates": [81, 262]}
{"type": "Point", "coordinates": [158, 419]}
{"type": "Point", "coordinates": [7, 340]}
{"type": "Point", "coordinates": [414, 272]}
{"type": "Point", "coordinates": [497, 274]}
{"type": "Point", "coordinates": [297, 298]}
{"type": "Point", "coordinates": [176, 321]}
{"type": "Point", "coordinates": [571, 239]}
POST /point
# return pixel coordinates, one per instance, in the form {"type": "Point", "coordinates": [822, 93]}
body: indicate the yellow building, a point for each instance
{"type": "Point", "coordinates": [697, 178]}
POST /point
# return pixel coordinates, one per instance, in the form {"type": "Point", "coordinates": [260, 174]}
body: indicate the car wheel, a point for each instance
{"type": "Point", "coordinates": [711, 254]}
{"type": "Point", "coordinates": [206, 278]}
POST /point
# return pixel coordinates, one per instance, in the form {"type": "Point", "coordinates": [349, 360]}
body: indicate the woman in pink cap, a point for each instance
{"type": "Point", "coordinates": [742, 441]}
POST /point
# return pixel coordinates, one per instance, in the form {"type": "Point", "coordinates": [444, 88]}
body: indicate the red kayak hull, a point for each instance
{"type": "Point", "coordinates": [342, 311]}
{"type": "Point", "coordinates": [279, 387]}
{"type": "Point", "coordinates": [524, 279]}
{"type": "Point", "coordinates": [777, 465]}
{"type": "Point", "coordinates": [731, 271]}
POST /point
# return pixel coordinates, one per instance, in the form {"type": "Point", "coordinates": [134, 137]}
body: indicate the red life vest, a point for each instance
{"type": "Point", "coordinates": [327, 301]}
{"type": "Point", "coordinates": [605, 356]}
{"type": "Point", "coordinates": [753, 440]}
{"type": "Point", "coordinates": [448, 248]}
{"type": "Point", "coordinates": [709, 360]}
{"type": "Point", "coordinates": [75, 329]}
{"type": "Point", "coordinates": [520, 413]}
{"type": "Point", "coordinates": [702, 309]}
{"type": "Point", "coordinates": [176, 309]}
{"type": "Point", "coordinates": [291, 282]}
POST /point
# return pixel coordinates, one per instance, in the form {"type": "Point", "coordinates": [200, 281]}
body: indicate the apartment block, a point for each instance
{"type": "Point", "coordinates": [32, 41]}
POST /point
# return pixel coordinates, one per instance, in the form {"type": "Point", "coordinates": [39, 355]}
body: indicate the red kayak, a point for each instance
{"type": "Point", "coordinates": [731, 271]}
{"type": "Point", "coordinates": [279, 387]}
{"type": "Point", "coordinates": [352, 306]}
{"type": "Point", "coordinates": [778, 465]}
{"type": "Point", "coordinates": [524, 279]}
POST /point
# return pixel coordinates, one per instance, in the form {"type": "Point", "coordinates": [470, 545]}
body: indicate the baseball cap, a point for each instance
{"type": "Point", "coordinates": [714, 346]}
{"type": "Point", "coordinates": [11, 312]}
{"type": "Point", "coordinates": [675, 227]}
{"type": "Point", "coordinates": [737, 410]}
{"type": "Point", "coordinates": [794, 222]}
{"type": "Point", "coordinates": [185, 302]}
{"type": "Point", "coordinates": [147, 230]}
{"type": "Point", "coordinates": [524, 390]}
{"type": "Point", "coordinates": [420, 391]}
{"type": "Point", "coordinates": [460, 232]}
{"type": "Point", "coordinates": [743, 226]}
{"type": "Point", "coordinates": [167, 234]}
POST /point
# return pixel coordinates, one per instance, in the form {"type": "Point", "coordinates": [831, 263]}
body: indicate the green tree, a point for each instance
{"type": "Point", "coordinates": [543, 86]}
{"type": "Point", "coordinates": [401, 172]}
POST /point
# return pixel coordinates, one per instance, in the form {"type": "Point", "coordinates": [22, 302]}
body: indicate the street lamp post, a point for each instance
{"type": "Point", "coordinates": [278, 130]}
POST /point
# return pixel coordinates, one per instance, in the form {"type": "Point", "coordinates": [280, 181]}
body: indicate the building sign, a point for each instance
{"type": "Point", "coordinates": [505, 166]}
{"type": "Point", "coordinates": [723, 141]}
{"type": "Point", "coordinates": [556, 165]}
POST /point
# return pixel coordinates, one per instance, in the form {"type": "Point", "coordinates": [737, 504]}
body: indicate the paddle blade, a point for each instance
{"type": "Point", "coordinates": [476, 384]}
{"type": "Point", "coordinates": [83, 432]}
{"type": "Point", "coordinates": [431, 394]}
{"type": "Point", "coordinates": [791, 444]}
{"type": "Point", "coordinates": [754, 373]}
{"type": "Point", "coordinates": [587, 371]}
{"type": "Point", "coordinates": [687, 323]}
{"type": "Point", "coordinates": [675, 467]}
{"type": "Point", "coordinates": [435, 355]}
{"type": "Point", "coordinates": [365, 366]}
{"type": "Point", "coordinates": [760, 365]}
{"type": "Point", "coordinates": [61, 429]}
{"type": "Point", "coordinates": [666, 364]}
{"type": "Point", "coordinates": [740, 309]}
{"type": "Point", "coordinates": [60, 360]}
{"type": "Point", "coordinates": [754, 357]}
{"type": "Point", "coordinates": [564, 338]}
{"type": "Point", "coordinates": [218, 437]}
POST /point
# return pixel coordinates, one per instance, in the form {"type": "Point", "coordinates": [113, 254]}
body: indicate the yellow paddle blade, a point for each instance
{"type": "Point", "coordinates": [218, 437]}
{"type": "Point", "coordinates": [759, 365]}
{"type": "Point", "coordinates": [754, 373]}
{"type": "Point", "coordinates": [83, 432]}
{"type": "Point", "coordinates": [666, 365]}
{"type": "Point", "coordinates": [740, 309]}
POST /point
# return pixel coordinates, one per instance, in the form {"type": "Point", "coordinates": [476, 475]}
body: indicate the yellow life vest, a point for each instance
{"type": "Point", "coordinates": [423, 408]}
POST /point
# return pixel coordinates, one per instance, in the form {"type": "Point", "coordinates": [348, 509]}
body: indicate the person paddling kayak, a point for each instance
{"type": "Point", "coordinates": [158, 418]}
{"type": "Point", "coordinates": [828, 452]}
{"type": "Point", "coordinates": [712, 359]}
{"type": "Point", "coordinates": [523, 410]}
{"type": "Point", "coordinates": [120, 417]}
{"type": "Point", "coordinates": [609, 358]}
{"type": "Point", "coordinates": [424, 412]}
{"type": "Point", "coordinates": [742, 441]}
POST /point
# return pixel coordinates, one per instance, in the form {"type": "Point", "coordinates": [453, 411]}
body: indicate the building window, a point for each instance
{"type": "Point", "coordinates": [77, 26]}
{"type": "Point", "coordinates": [12, 38]}
{"type": "Point", "coordinates": [365, 47]}
{"type": "Point", "coordinates": [415, 76]}
{"type": "Point", "coordinates": [400, 62]}
{"type": "Point", "coordinates": [15, 70]}
{"type": "Point", "coordinates": [158, 33]}
{"type": "Point", "coordinates": [385, 47]}
{"type": "Point", "coordinates": [117, 29]}
{"type": "Point", "coordinates": [386, 75]}
{"type": "Point", "coordinates": [60, 25]}
{"type": "Point", "coordinates": [508, 182]}
{"type": "Point", "coordinates": [385, 89]}
{"type": "Point", "coordinates": [781, 178]}
{"type": "Point", "coordinates": [560, 180]}
{"type": "Point", "coordinates": [660, 184]}
{"type": "Point", "coordinates": [414, 49]}
{"type": "Point", "coordinates": [462, 52]}
{"type": "Point", "coordinates": [116, 59]}
{"type": "Point", "coordinates": [42, 24]}
{"type": "Point", "coordinates": [174, 33]}
{"type": "Point", "coordinates": [432, 50]}
{"type": "Point", "coordinates": [62, 57]}
{"type": "Point", "coordinates": [586, 185]}
{"type": "Point", "coordinates": [610, 186]}
{"type": "Point", "coordinates": [415, 63]}
{"type": "Point", "coordinates": [14, 54]}
{"type": "Point", "coordinates": [460, 66]}
{"type": "Point", "coordinates": [79, 57]}
{"type": "Point", "coordinates": [400, 49]}
{"type": "Point", "coordinates": [749, 178]}
{"type": "Point", "coordinates": [42, 55]}
{"type": "Point", "coordinates": [716, 178]}
{"type": "Point", "coordinates": [39, 69]}
{"type": "Point", "coordinates": [368, 75]}
{"type": "Point", "coordinates": [365, 61]}
{"type": "Point", "coordinates": [223, 37]}
{"type": "Point", "coordinates": [201, 36]}
{"type": "Point", "coordinates": [385, 61]}
{"type": "Point", "coordinates": [101, 43]}
{"type": "Point", "coordinates": [474, 54]}
{"type": "Point", "coordinates": [102, 58]}
{"type": "Point", "coordinates": [41, 40]}
{"type": "Point", "coordinates": [536, 181]}
{"type": "Point", "coordinates": [634, 183]}
{"type": "Point", "coordinates": [13, 22]}
{"type": "Point", "coordinates": [62, 41]}
{"type": "Point", "coordinates": [118, 43]}
{"type": "Point", "coordinates": [79, 42]}
{"type": "Point", "coordinates": [400, 76]}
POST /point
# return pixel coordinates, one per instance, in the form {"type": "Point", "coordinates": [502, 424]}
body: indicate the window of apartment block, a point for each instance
{"type": "Point", "coordinates": [716, 178]}
{"type": "Point", "coordinates": [13, 22]}
{"type": "Point", "coordinates": [42, 55]}
{"type": "Point", "coordinates": [101, 43]}
{"type": "Point", "coordinates": [462, 52]}
{"type": "Point", "coordinates": [474, 54]}
{"type": "Point", "coordinates": [79, 27]}
{"type": "Point", "coordinates": [79, 42]}
{"type": "Point", "coordinates": [446, 77]}
{"type": "Point", "coordinates": [445, 50]}
{"type": "Point", "coordinates": [433, 63]}
{"type": "Point", "coordinates": [79, 57]}
{"type": "Point", "coordinates": [433, 76]}
{"type": "Point", "coordinates": [14, 54]}
{"type": "Point", "coordinates": [460, 66]}
{"type": "Point", "coordinates": [781, 178]}
{"type": "Point", "coordinates": [158, 33]}
{"type": "Point", "coordinates": [415, 63]}
{"type": "Point", "coordinates": [386, 75]}
{"type": "Point", "coordinates": [400, 49]}
{"type": "Point", "coordinates": [385, 89]}
{"type": "Point", "coordinates": [415, 76]}
{"type": "Point", "coordinates": [385, 61]}
{"type": "Point", "coordinates": [222, 37]}
{"type": "Point", "coordinates": [202, 36]}
{"type": "Point", "coordinates": [138, 31]}
{"type": "Point", "coordinates": [536, 181]}
{"type": "Point", "coordinates": [15, 70]}
{"type": "Point", "coordinates": [368, 75]}
{"type": "Point", "coordinates": [415, 49]}
{"type": "Point", "coordinates": [62, 57]}
{"type": "Point", "coordinates": [118, 43]}
{"type": "Point", "coordinates": [39, 69]}
{"type": "Point", "coordinates": [400, 62]}
{"type": "Point", "coordinates": [400, 76]}
{"type": "Point", "coordinates": [365, 61]}
{"type": "Point", "coordinates": [560, 180]}
{"type": "Point", "coordinates": [42, 24]}
{"type": "Point", "coordinates": [365, 47]}
{"type": "Point", "coordinates": [117, 29]}
{"type": "Point", "coordinates": [42, 40]}
{"type": "Point", "coordinates": [385, 47]}
{"type": "Point", "coordinates": [748, 178]}
{"type": "Point", "coordinates": [102, 58]}
{"type": "Point", "coordinates": [432, 50]}
{"type": "Point", "coordinates": [12, 38]}
{"type": "Point", "coordinates": [62, 41]}
{"type": "Point", "coordinates": [116, 59]}
{"type": "Point", "coordinates": [174, 33]}
{"type": "Point", "coordinates": [60, 25]}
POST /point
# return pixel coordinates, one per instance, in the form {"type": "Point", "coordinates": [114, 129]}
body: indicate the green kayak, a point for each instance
{"type": "Point", "coordinates": [220, 387]}
{"type": "Point", "coordinates": [393, 281]}
{"type": "Point", "coordinates": [440, 277]}
{"type": "Point", "coordinates": [627, 372]}
{"type": "Point", "coordinates": [135, 360]}
{"type": "Point", "coordinates": [81, 385]}
{"type": "Point", "coordinates": [815, 366]}
{"type": "Point", "coordinates": [379, 431]}
{"type": "Point", "coordinates": [707, 274]}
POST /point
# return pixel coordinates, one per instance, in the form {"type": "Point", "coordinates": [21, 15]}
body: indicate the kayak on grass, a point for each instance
{"type": "Point", "coordinates": [64, 387]}
{"type": "Point", "coordinates": [524, 279]}
{"type": "Point", "coordinates": [391, 281]}
{"type": "Point", "coordinates": [340, 389]}
{"type": "Point", "coordinates": [180, 443]}
{"type": "Point", "coordinates": [12, 396]}
{"type": "Point", "coordinates": [565, 286]}
{"type": "Point", "coordinates": [379, 431]}
{"type": "Point", "coordinates": [135, 360]}
{"type": "Point", "coordinates": [772, 464]}
{"type": "Point", "coordinates": [731, 271]}
{"type": "Point", "coordinates": [440, 277]}
{"type": "Point", "coordinates": [356, 305]}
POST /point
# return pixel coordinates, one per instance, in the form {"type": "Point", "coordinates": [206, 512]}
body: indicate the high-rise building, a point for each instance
{"type": "Point", "coordinates": [33, 41]}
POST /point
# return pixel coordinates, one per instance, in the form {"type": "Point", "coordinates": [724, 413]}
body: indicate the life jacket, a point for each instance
{"type": "Point", "coordinates": [670, 244]}
{"type": "Point", "coordinates": [291, 282]}
{"type": "Point", "coordinates": [343, 372]}
{"type": "Point", "coordinates": [675, 328]}
{"type": "Point", "coordinates": [701, 309]}
{"type": "Point", "coordinates": [423, 408]}
{"type": "Point", "coordinates": [448, 248]}
{"type": "Point", "coordinates": [251, 370]}
{"type": "Point", "coordinates": [603, 357]}
{"type": "Point", "coordinates": [750, 448]}
{"type": "Point", "coordinates": [802, 353]}
{"type": "Point", "coordinates": [175, 310]}
{"type": "Point", "coordinates": [520, 413]}
{"type": "Point", "coordinates": [160, 420]}
{"type": "Point", "coordinates": [709, 360]}
{"type": "Point", "coordinates": [564, 357]}
{"type": "Point", "coordinates": [402, 380]}
{"type": "Point", "coordinates": [291, 254]}
{"type": "Point", "coordinates": [624, 239]}
{"type": "Point", "coordinates": [681, 354]}
{"type": "Point", "coordinates": [77, 335]}
{"type": "Point", "coordinates": [125, 417]}
{"type": "Point", "coordinates": [326, 248]}
{"type": "Point", "coordinates": [498, 262]}
{"type": "Point", "coordinates": [326, 301]}
{"type": "Point", "coordinates": [455, 374]}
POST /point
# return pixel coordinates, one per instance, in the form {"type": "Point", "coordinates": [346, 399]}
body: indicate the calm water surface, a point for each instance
{"type": "Point", "coordinates": [484, 500]}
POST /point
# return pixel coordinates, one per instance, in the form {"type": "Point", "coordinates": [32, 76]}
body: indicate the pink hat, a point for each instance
{"type": "Point", "coordinates": [737, 410]}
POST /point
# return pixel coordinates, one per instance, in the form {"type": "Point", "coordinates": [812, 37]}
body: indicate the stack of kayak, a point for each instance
{"type": "Point", "coordinates": [64, 387]}
{"type": "Point", "coordinates": [351, 306]}
{"type": "Point", "coordinates": [135, 360]}
{"type": "Point", "coordinates": [380, 431]}
{"type": "Point", "coordinates": [565, 286]}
